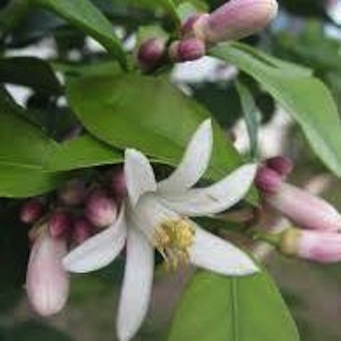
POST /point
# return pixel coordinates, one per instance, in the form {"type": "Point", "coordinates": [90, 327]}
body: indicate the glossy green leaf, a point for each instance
{"type": "Point", "coordinates": [23, 152]}
{"type": "Point", "coordinates": [84, 151]}
{"type": "Point", "coordinates": [21, 143]}
{"type": "Point", "coordinates": [83, 14]}
{"type": "Point", "coordinates": [272, 61]}
{"type": "Point", "coordinates": [305, 97]}
{"type": "Point", "coordinates": [217, 308]}
{"type": "Point", "coordinates": [29, 71]}
{"type": "Point", "coordinates": [20, 182]}
{"type": "Point", "coordinates": [145, 113]}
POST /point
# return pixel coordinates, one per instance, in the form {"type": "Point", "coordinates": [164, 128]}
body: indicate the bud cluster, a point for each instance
{"type": "Point", "coordinates": [234, 20]}
{"type": "Point", "coordinates": [317, 236]}
{"type": "Point", "coordinates": [72, 216]}
{"type": "Point", "coordinates": [155, 52]}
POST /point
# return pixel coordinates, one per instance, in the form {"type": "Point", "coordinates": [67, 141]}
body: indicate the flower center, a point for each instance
{"type": "Point", "coordinates": [172, 239]}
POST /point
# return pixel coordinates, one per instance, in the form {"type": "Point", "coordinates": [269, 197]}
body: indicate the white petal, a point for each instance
{"type": "Point", "coordinates": [149, 214]}
{"type": "Point", "coordinates": [194, 163]}
{"type": "Point", "coordinates": [139, 175]}
{"type": "Point", "coordinates": [137, 283]}
{"type": "Point", "coordinates": [100, 250]}
{"type": "Point", "coordinates": [215, 254]}
{"type": "Point", "coordinates": [216, 198]}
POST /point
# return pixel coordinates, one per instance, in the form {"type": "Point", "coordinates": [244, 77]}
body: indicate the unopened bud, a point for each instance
{"type": "Point", "coordinates": [73, 193]}
{"type": "Point", "coordinates": [281, 164]}
{"type": "Point", "coordinates": [47, 283]}
{"type": "Point", "coordinates": [31, 211]}
{"type": "Point", "coordinates": [118, 185]}
{"type": "Point", "coordinates": [151, 53]}
{"type": "Point", "coordinates": [322, 247]}
{"type": "Point", "coordinates": [187, 50]}
{"type": "Point", "coordinates": [267, 180]}
{"type": "Point", "coordinates": [81, 230]}
{"type": "Point", "coordinates": [100, 209]}
{"type": "Point", "coordinates": [304, 209]}
{"type": "Point", "coordinates": [59, 224]}
{"type": "Point", "coordinates": [235, 20]}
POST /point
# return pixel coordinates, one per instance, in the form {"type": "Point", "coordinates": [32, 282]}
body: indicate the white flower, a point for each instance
{"type": "Point", "coordinates": [155, 216]}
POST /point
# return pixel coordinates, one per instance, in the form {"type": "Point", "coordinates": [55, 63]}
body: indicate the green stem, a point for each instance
{"type": "Point", "coordinates": [271, 238]}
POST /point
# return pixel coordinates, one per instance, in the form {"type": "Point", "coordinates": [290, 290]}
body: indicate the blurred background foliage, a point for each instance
{"type": "Point", "coordinates": [306, 32]}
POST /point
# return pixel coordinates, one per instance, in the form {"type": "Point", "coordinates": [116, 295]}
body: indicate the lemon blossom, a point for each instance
{"type": "Point", "coordinates": [155, 215]}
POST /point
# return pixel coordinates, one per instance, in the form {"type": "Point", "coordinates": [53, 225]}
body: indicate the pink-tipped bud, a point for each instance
{"type": "Point", "coordinates": [151, 53]}
{"type": "Point", "coordinates": [235, 20]}
{"type": "Point", "coordinates": [118, 185]}
{"type": "Point", "coordinates": [187, 50]}
{"type": "Point", "coordinates": [322, 247]}
{"type": "Point", "coordinates": [100, 210]}
{"type": "Point", "coordinates": [47, 283]}
{"type": "Point", "coordinates": [304, 209]}
{"type": "Point", "coordinates": [73, 193]}
{"type": "Point", "coordinates": [281, 164]}
{"type": "Point", "coordinates": [31, 211]}
{"type": "Point", "coordinates": [81, 230]}
{"type": "Point", "coordinates": [59, 224]}
{"type": "Point", "coordinates": [187, 26]}
{"type": "Point", "coordinates": [267, 180]}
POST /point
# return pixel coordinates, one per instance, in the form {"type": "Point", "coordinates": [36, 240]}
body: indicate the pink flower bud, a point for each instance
{"type": "Point", "coordinates": [47, 283]}
{"type": "Point", "coordinates": [322, 247]}
{"type": "Point", "coordinates": [281, 164]}
{"type": "Point", "coordinates": [100, 210]}
{"type": "Point", "coordinates": [118, 185]}
{"type": "Point", "coordinates": [267, 180]}
{"type": "Point", "coordinates": [151, 52]}
{"type": "Point", "coordinates": [305, 209]}
{"type": "Point", "coordinates": [235, 20]}
{"type": "Point", "coordinates": [73, 193]}
{"type": "Point", "coordinates": [81, 230]}
{"type": "Point", "coordinates": [59, 224]}
{"type": "Point", "coordinates": [31, 211]}
{"type": "Point", "coordinates": [187, 50]}
{"type": "Point", "coordinates": [187, 26]}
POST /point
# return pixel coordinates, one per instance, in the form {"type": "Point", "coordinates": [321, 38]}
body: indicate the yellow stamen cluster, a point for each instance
{"type": "Point", "coordinates": [173, 239]}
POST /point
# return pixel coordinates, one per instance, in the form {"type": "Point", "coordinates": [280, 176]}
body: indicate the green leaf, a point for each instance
{"type": "Point", "coordinates": [84, 151]}
{"type": "Point", "coordinates": [188, 8]}
{"type": "Point", "coordinates": [221, 99]}
{"type": "Point", "coordinates": [29, 71]}
{"type": "Point", "coordinates": [251, 115]}
{"type": "Point", "coordinates": [19, 182]}
{"type": "Point", "coordinates": [217, 308]}
{"type": "Point", "coordinates": [171, 9]}
{"type": "Point", "coordinates": [21, 143]}
{"type": "Point", "coordinates": [167, 6]}
{"type": "Point", "coordinates": [83, 14]}
{"type": "Point", "coordinates": [23, 152]}
{"type": "Point", "coordinates": [272, 61]}
{"type": "Point", "coordinates": [148, 114]}
{"type": "Point", "coordinates": [305, 97]}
